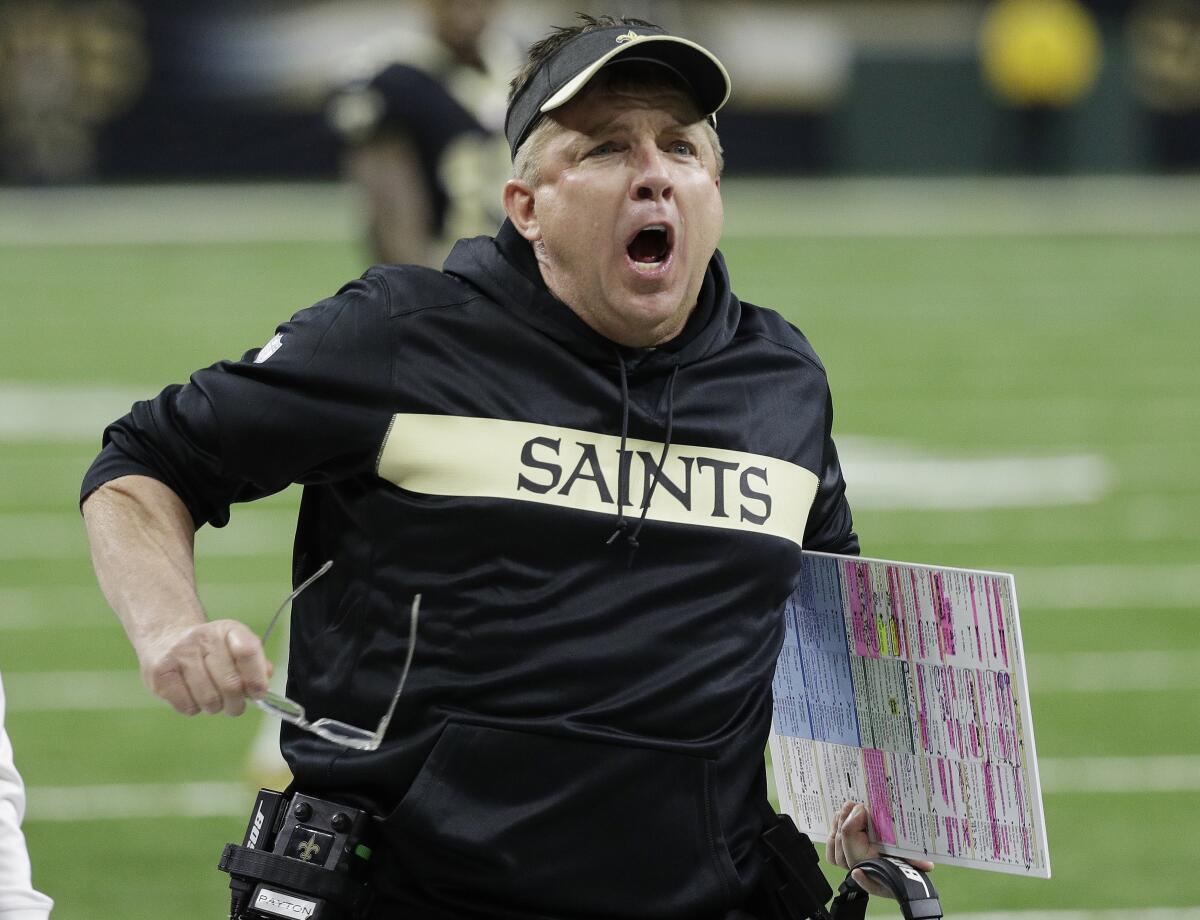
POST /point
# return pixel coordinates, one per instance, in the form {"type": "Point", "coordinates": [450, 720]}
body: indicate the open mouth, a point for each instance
{"type": "Point", "coordinates": [650, 247]}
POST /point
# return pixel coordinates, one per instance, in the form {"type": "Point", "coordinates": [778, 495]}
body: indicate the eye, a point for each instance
{"type": "Point", "coordinates": [603, 150]}
{"type": "Point", "coordinates": [682, 148]}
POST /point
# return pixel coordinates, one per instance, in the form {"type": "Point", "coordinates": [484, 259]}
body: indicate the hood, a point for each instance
{"type": "Point", "coordinates": [504, 268]}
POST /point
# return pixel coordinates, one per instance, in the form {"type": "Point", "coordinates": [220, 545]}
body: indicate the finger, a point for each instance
{"type": "Point", "coordinates": [225, 677]}
{"type": "Point", "coordinates": [856, 842]}
{"type": "Point", "coordinates": [923, 864]}
{"type": "Point", "coordinates": [246, 652]}
{"type": "Point", "coordinates": [841, 855]}
{"type": "Point", "coordinates": [870, 886]}
{"type": "Point", "coordinates": [839, 840]}
{"type": "Point", "coordinates": [835, 822]}
{"type": "Point", "coordinates": [840, 815]}
{"type": "Point", "coordinates": [167, 683]}
{"type": "Point", "coordinates": [191, 652]}
{"type": "Point", "coordinates": [844, 813]}
{"type": "Point", "coordinates": [832, 838]}
{"type": "Point", "coordinates": [856, 820]}
{"type": "Point", "coordinates": [201, 685]}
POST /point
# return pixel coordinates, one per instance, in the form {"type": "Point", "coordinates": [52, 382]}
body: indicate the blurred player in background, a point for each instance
{"type": "Point", "coordinates": [424, 134]}
{"type": "Point", "coordinates": [424, 142]}
{"type": "Point", "coordinates": [18, 900]}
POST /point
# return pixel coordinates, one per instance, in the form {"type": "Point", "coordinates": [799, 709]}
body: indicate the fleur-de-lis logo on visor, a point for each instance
{"type": "Point", "coordinates": [630, 36]}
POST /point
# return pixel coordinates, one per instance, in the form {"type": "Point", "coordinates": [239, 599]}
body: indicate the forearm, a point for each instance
{"type": "Point", "coordinates": [142, 548]}
{"type": "Point", "coordinates": [142, 538]}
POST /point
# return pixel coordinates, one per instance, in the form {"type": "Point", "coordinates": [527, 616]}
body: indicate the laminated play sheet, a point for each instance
{"type": "Point", "coordinates": [903, 687]}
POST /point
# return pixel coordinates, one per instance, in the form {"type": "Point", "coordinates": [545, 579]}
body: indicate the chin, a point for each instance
{"type": "Point", "coordinates": [661, 318]}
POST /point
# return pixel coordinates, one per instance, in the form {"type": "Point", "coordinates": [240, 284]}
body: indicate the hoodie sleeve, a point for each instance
{"type": "Point", "coordinates": [830, 527]}
{"type": "Point", "coordinates": [308, 407]}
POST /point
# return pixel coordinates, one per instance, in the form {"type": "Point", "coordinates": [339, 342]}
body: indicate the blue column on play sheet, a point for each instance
{"type": "Point", "coordinates": [814, 690]}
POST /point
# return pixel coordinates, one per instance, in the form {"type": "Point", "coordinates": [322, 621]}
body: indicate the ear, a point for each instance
{"type": "Point", "coordinates": [520, 207]}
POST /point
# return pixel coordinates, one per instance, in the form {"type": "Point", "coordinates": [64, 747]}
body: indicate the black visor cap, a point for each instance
{"type": "Point", "coordinates": [564, 76]}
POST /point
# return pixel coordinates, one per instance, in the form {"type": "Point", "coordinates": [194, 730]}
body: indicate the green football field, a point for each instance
{"type": "Point", "coordinates": [1014, 367]}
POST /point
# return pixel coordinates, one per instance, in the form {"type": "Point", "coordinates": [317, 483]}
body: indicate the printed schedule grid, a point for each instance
{"type": "Point", "coordinates": [903, 687]}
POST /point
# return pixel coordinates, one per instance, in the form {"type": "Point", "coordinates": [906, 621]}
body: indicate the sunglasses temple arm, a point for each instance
{"type": "Point", "coordinates": [291, 597]}
{"type": "Point", "coordinates": [412, 647]}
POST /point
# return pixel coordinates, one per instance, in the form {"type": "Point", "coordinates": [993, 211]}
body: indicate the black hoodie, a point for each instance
{"type": "Point", "coordinates": [582, 732]}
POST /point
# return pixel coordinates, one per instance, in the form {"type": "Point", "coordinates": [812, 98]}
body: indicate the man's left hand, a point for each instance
{"type": "Point", "coordinates": [849, 844]}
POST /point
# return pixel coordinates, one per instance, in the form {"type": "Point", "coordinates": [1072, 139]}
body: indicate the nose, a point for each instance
{"type": "Point", "coordinates": [652, 175]}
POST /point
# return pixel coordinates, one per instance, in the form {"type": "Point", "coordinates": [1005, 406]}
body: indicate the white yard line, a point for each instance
{"type": "Point", "coordinates": [267, 531]}
{"type": "Point", "coordinates": [1074, 672]}
{"type": "Point", "coordinates": [885, 475]}
{"type": "Point", "coordinates": [70, 691]}
{"type": "Point", "coordinates": [886, 910]}
{"type": "Point", "coordinates": [755, 208]}
{"type": "Point", "coordinates": [760, 208]}
{"type": "Point", "coordinates": [259, 531]}
{"type": "Point", "coordinates": [888, 476]}
{"type": "Point", "coordinates": [1114, 672]}
{"type": "Point", "coordinates": [1141, 913]}
{"type": "Point", "coordinates": [1106, 775]}
{"type": "Point", "coordinates": [1093, 776]}
{"type": "Point", "coordinates": [53, 607]}
{"type": "Point", "coordinates": [201, 213]}
{"type": "Point", "coordinates": [50, 412]}
{"type": "Point", "coordinates": [138, 800]}
{"type": "Point", "coordinates": [33, 608]}
{"type": "Point", "coordinates": [74, 411]}
{"type": "Point", "coordinates": [1137, 587]}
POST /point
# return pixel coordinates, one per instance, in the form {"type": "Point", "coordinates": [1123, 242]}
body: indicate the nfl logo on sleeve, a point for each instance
{"type": "Point", "coordinates": [269, 349]}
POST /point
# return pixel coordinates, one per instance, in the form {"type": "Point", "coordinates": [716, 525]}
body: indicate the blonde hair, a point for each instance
{"type": "Point", "coordinates": [527, 164]}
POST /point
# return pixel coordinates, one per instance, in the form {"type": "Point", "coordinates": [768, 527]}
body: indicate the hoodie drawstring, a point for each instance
{"type": "Point", "coordinates": [631, 539]}
{"type": "Point", "coordinates": [621, 522]}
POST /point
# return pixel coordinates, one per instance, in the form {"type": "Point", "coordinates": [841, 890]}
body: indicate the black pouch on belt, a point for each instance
{"type": "Point", "coordinates": [793, 886]}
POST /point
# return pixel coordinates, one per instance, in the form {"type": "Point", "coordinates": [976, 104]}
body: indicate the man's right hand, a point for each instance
{"type": "Point", "coordinates": [207, 667]}
{"type": "Point", "coordinates": [141, 536]}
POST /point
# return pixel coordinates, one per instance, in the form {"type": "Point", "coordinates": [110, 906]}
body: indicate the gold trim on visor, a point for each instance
{"type": "Point", "coordinates": [624, 43]}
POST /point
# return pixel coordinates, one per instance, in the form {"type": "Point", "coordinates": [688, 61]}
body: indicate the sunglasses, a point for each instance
{"type": "Point", "coordinates": [343, 733]}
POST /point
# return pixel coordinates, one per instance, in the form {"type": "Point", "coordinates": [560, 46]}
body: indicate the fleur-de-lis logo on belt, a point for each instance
{"type": "Point", "coordinates": [630, 36]}
{"type": "Point", "coordinates": [309, 848]}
